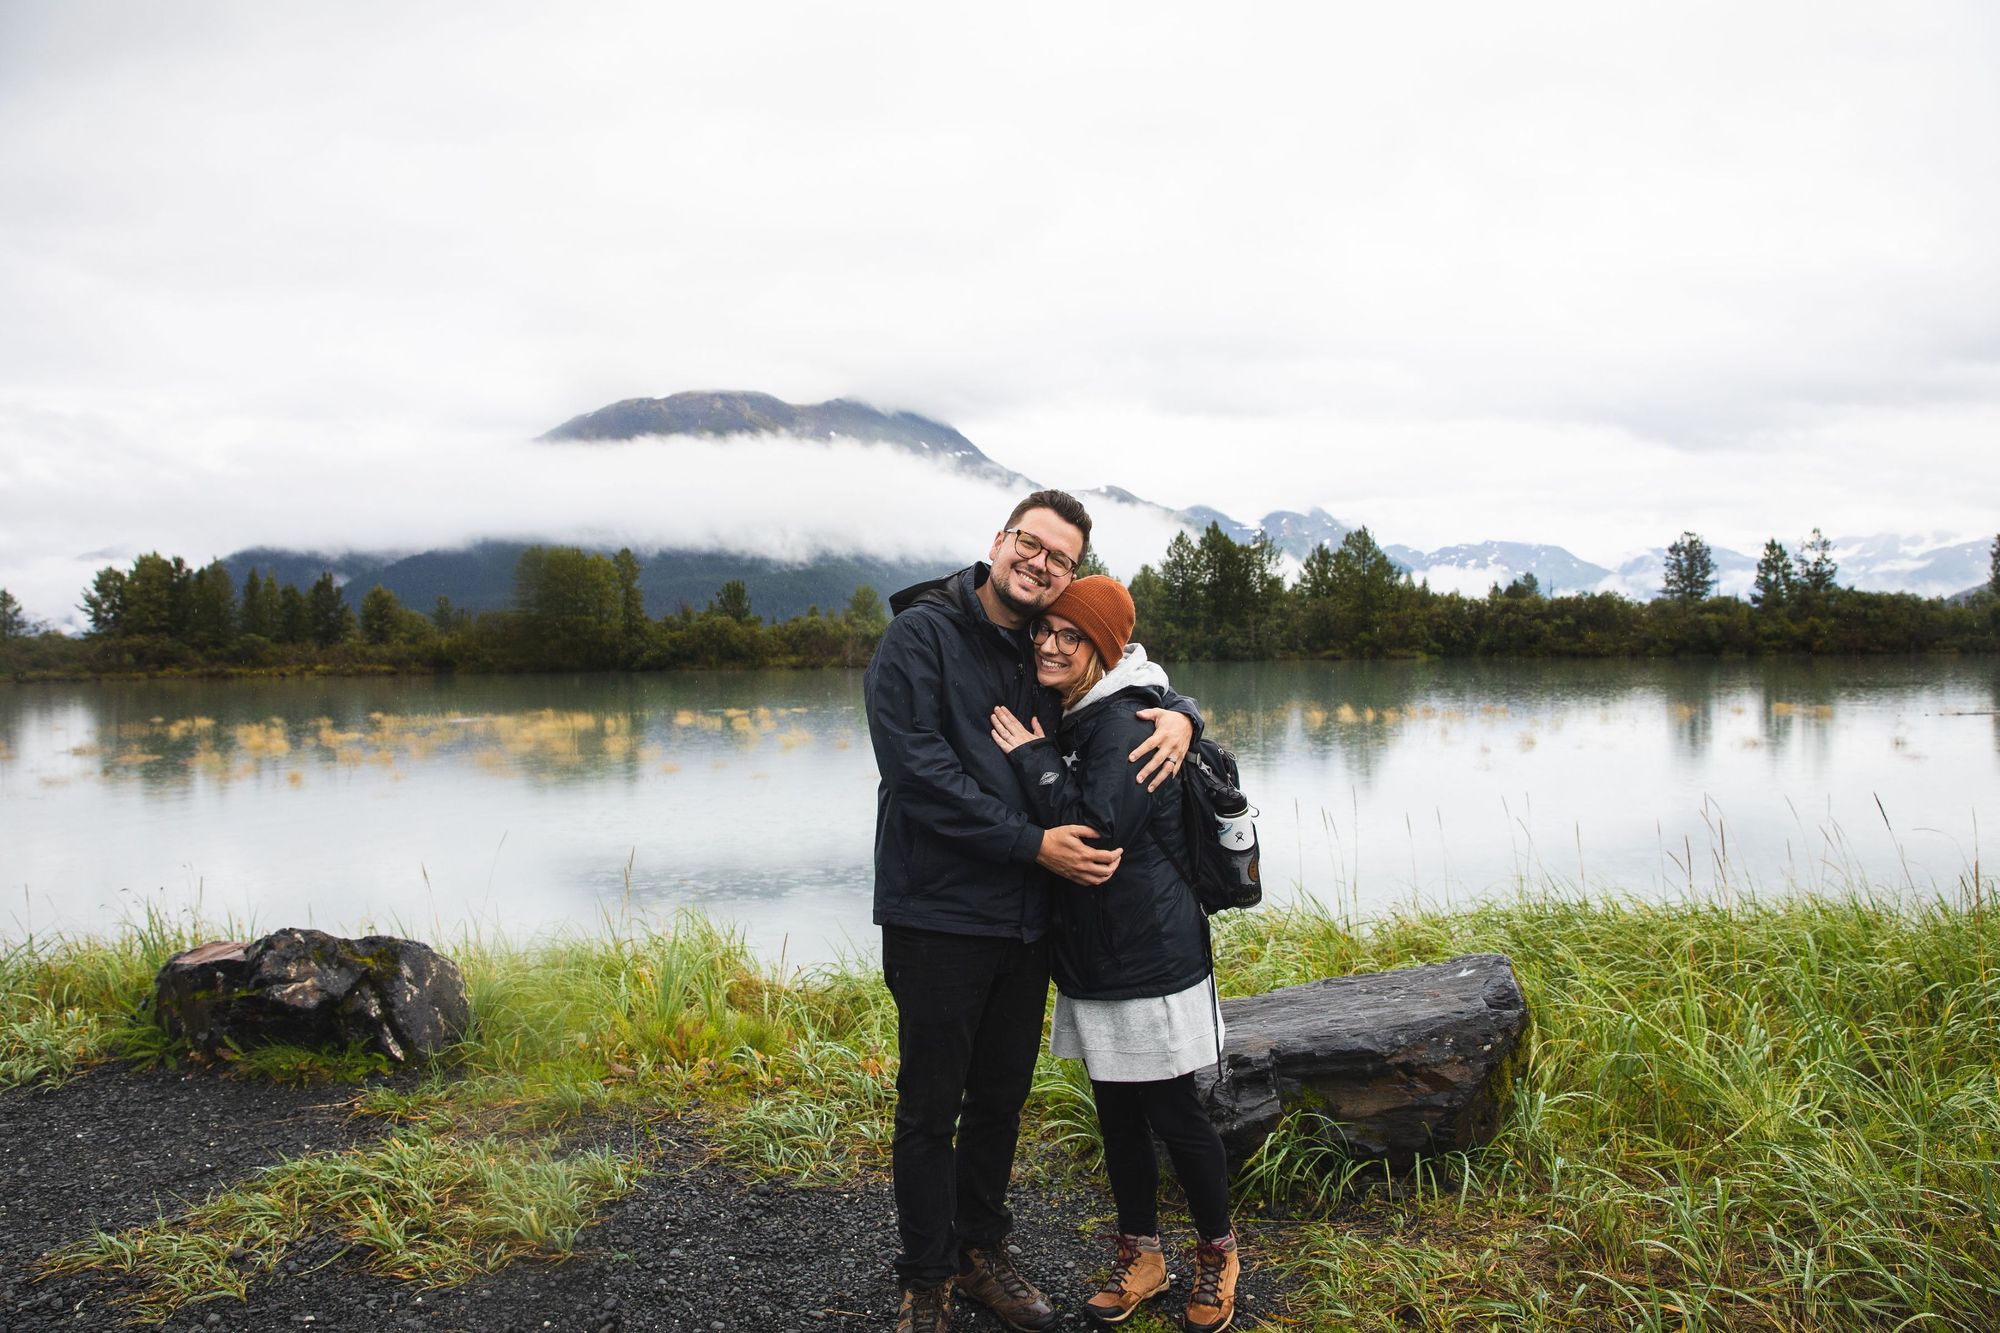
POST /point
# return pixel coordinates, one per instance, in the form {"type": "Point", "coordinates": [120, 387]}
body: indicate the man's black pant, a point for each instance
{"type": "Point", "coordinates": [968, 1026]}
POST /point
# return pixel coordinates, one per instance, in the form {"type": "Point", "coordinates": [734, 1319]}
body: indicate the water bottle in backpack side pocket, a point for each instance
{"type": "Point", "coordinates": [1236, 836]}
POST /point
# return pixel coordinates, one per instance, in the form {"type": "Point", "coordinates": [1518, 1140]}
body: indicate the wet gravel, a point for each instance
{"type": "Point", "coordinates": [695, 1247]}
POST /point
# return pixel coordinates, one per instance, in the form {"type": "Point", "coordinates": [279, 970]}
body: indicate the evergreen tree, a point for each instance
{"type": "Point", "coordinates": [1690, 574]}
{"type": "Point", "coordinates": [1773, 586]}
{"type": "Point", "coordinates": [157, 597]}
{"type": "Point", "coordinates": [632, 622]}
{"type": "Point", "coordinates": [447, 618]}
{"type": "Point", "coordinates": [211, 607]}
{"type": "Point", "coordinates": [864, 610]}
{"type": "Point", "coordinates": [1816, 567]}
{"type": "Point", "coordinates": [1092, 563]}
{"type": "Point", "coordinates": [1993, 567]}
{"type": "Point", "coordinates": [733, 601]}
{"type": "Point", "coordinates": [1524, 588]}
{"type": "Point", "coordinates": [104, 603]}
{"type": "Point", "coordinates": [293, 625]}
{"type": "Point", "coordinates": [13, 622]}
{"type": "Point", "coordinates": [329, 620]}
{"type": "Point", "coordinates": [381, 616]}
{"type": "Point", "coordinates": [256, 609]}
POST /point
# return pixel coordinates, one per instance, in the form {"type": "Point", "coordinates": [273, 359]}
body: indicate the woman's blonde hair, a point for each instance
{"type": "Point", "coordinates": [1093, 671]}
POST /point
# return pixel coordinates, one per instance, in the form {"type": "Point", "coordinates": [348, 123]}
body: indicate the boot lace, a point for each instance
{"type": "Point", "coordinates": [1121, 1267]}
{"type": "Point", "coordinates": [1208, 1265]}
{"type": "Point", "coordinates": [925, 1308]}
{"type": "Point", "coordinates": [1000, 1265]}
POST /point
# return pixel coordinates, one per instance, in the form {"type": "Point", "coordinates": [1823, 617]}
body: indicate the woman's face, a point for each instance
{"type": "Point", "coordinates": [1054, 667]}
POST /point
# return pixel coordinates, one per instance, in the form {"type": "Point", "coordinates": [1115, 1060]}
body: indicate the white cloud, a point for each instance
{"type": "Point", "coordinates": [1552, 272]}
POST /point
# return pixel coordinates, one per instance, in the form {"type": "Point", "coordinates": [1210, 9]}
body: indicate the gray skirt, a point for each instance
{"type": "Point", "coordinates": [1139, 1041]}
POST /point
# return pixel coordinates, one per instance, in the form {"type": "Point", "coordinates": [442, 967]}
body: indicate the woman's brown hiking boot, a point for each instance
{"type": "Point", "coordinates": [925, 1309]}
{"type": "Point", "coordinates": [992, 1280]}
{"type": "Point", "coordinates": [1139, 1271]}
{"type": "Point", "coordinates": [1212, 1303]}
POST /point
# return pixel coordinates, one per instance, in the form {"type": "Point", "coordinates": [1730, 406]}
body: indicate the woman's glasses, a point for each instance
{"type": "Point", "coordinates": [1067, 640]}
{"type": "Point", "coordinates": [1028, 546]}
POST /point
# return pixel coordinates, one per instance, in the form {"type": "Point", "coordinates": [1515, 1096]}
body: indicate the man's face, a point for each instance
{"type": "Point", "coordinates": [1028, 584]}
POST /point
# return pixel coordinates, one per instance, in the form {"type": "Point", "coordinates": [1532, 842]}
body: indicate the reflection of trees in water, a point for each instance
{"type": "Point", "coordinates": [1797, 699]}
{"type": "Point", "coordinates": [547, 730]}
{"type": "Point", "coordinates": [1689, 692]}
{"type": "Point", "coordinates": [1993, 690]}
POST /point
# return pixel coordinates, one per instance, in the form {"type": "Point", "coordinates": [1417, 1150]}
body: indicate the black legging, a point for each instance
{"type": "Point", "coordinates": [1129, 1114]}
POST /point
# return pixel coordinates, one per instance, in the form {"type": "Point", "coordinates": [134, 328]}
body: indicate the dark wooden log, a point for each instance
{"type": "Point", "coordinates": [1397, 1064]}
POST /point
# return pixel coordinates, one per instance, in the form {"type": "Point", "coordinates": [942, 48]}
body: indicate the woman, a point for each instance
{"type": "Point", "coordinates": [1134, 996]}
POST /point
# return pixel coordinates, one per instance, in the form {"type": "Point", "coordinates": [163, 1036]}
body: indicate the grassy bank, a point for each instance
{"type": "Point", "coordinates": [1777, 1115]}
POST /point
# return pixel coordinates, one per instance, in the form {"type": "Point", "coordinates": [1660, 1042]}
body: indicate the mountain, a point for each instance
{"type": "Point", "coordinates": [480, 577]}
{"type": "Point", "coordinates": [1931, 565]}
{"type": "Point", "coordinates": [741, 413]}
{"type": "Point", "coordinates": [1472, 569]}
{"type": "Point", "coordinates": [1641, 575]}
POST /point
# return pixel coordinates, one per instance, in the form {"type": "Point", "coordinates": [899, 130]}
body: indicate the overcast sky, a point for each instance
{"type": "Point", "coordinates": [1584, 274]}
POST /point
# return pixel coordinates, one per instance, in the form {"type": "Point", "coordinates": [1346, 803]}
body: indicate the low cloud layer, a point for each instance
{"type": "Point", "coordinates": [75, 511]}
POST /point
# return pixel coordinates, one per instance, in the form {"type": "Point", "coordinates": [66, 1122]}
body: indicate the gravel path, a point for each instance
{"type": "Point", "coordinates": [695, 1247]}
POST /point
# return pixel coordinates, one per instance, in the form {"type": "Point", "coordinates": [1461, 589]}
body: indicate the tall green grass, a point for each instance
{"type": "Point", "coordinates": [1775, 1114]}
{"type": "Point", "coordinates": [1769, 1115]}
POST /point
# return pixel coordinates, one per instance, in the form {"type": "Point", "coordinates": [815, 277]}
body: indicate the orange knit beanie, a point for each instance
{"type": "Point", "coordinates": [1102, 609]}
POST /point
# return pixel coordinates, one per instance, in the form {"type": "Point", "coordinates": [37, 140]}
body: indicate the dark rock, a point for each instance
{"type": "Point", "coordinates": [1414, 1061]}
{"type": "Point", "coordinates": [400, 997]}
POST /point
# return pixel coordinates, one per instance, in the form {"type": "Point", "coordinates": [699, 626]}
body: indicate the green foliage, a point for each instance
{"type": "Point", "coordinates": [329, 620]}
{"type": "Point", "coordinates": [211, 623]}
{"type": "Point", "coordinates": [1993, 567]}
{"type": "Point", "coordinates": [294, 626]}
{"type": "Point", "coordinates": [1690, 570]}
{"type": "Point", "coordinates": [380, 616]}
{"type": "Point", "coordinates": [1772, 588]}
{"type": "Point", "coordinates": [1762, 1115]}
{"type": "Point", "coordinates": [570, 607]}
{"type": "Point", "coordinates": [13, 621]}
{"type": "Point", "coordinates": [430, 1208]}
{"type": "Point", "coordinates": [733, 601]}
{"type": "Point", "coordinates": [1816, 569]}
{"type": "Point", "coordinates": [257, 608]}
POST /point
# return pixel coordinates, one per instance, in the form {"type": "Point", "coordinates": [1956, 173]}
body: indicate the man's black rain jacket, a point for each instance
{"type": "Point", "coordinates": [954, 849]}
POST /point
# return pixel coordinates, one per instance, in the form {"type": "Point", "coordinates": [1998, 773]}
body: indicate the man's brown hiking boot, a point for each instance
{"type": "Point", "coordinates": [995, 1283]}
{"type": "Point", "coordinates": [925, 1309]}
{"type": "Point", "coordinates": [1139, 1272]}
{"type": "Point", "coordinates": [1212, 1303]}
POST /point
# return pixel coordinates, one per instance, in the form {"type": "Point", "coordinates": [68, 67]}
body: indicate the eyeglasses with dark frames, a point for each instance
{"type": "Point", "coordinates": [1067, 640]}
{"type": "Point", "coordinates": [1028, 546]}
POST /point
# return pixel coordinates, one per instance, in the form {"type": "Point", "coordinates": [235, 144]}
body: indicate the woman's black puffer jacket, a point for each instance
{"type": "Point", "coordinates": [1140, 933]}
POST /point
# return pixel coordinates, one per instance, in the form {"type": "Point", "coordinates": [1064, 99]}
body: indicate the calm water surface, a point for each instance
{"type": "Point", "coordinates": [521, 804]}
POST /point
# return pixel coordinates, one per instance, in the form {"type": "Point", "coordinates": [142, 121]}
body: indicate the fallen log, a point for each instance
{"type": "Point", "coordinates": [1415, 1061]}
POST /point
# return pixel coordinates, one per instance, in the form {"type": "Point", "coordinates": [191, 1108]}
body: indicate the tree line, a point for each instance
{"type": "Point", "coordinates": [572, 610]}
{"type": "Point", "coordinates": [1213, 598]}
{"type": "Point", "coordinates": [1208, 598]}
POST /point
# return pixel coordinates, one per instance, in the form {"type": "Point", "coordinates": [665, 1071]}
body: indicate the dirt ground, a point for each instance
{"type": "Point", "coordinates": [694, 1247]}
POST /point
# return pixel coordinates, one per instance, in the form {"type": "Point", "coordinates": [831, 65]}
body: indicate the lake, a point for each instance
{"type": "Point", "coordinates": [518, 805]}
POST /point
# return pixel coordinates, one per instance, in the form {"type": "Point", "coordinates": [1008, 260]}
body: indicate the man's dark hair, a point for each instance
{"type": "Point", "coordinates": [1062, 504]}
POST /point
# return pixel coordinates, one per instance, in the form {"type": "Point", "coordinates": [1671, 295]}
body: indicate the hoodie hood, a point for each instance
{"type": "Point", "coordinates": [1132, 669]}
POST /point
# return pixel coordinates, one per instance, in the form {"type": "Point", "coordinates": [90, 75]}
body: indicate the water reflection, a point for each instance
{"type": "Point", "coordinates": [529, 802]}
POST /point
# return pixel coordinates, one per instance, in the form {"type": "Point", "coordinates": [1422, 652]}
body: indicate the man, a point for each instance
{"type": "Point", "coordinates": [960, 898]}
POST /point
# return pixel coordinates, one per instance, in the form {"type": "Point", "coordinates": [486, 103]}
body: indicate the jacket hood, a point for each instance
{"type": "Point", "coordinates": [1132, 669]}
{"type": "Point", "coordinates": [953, 593]}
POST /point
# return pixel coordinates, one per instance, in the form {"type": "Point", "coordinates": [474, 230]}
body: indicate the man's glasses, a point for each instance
{"type": "Point", "coordinates": [1028, 546]}
{"type": "Point", "coordinates": [1067, 640]}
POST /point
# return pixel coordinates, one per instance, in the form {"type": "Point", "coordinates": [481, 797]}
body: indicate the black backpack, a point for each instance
{"type": "Point", "coordinates": [1223, 877]}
